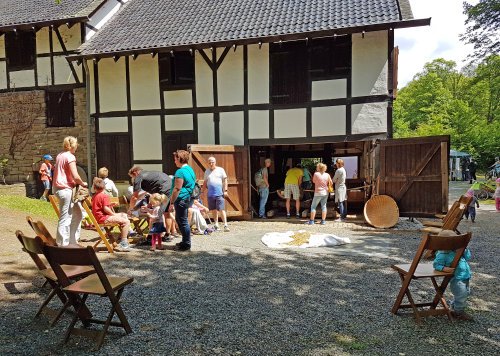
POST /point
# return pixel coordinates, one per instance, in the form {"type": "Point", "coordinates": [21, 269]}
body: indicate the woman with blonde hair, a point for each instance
{"type": "Point", "coordinates": [321, 180]}
{"type": "Point", "coordinates": [340, 189]}
{"type": "Point", "coordinates": [65, 178]}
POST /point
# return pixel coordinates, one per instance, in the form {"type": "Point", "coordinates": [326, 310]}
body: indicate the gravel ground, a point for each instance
{"type": "Point", "coordinates": [231, 295]}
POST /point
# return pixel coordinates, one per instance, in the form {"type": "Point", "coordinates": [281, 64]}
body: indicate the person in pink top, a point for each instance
{"type": "Point", "coordinates": [65, 178]}
{"type": "Point", "coordinates": [321, 179]}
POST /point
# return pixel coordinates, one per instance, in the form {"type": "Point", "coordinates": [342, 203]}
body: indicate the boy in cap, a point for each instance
{"type": "Point", "coordinates": [46, 175]}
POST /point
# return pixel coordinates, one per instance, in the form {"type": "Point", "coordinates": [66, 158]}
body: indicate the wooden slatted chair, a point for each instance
{"type": "Point", "coordinates": [40, 230]}
{"type": "Point", "coordinates": [98, 284]}
{"type": "Point", "coordinates": [417, 270]}
{"type": "Point", "coordinates": [73, 272]}
{"type": "Point", "coordinates": [104, 230]}
{"type": "Point", "coordinates": [55, 204]}
{"type": "Point", "coordinates": [445, 218]}
{"type": "Point", "coordinates": [453, 221]}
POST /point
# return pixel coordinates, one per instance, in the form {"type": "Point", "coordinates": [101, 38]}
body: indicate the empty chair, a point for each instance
{"type": "Point", "coordinates": [418, 270]}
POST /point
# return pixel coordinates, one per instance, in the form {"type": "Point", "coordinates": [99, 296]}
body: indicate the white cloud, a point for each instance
{"type": "Point", "coordinates": [419, 45]}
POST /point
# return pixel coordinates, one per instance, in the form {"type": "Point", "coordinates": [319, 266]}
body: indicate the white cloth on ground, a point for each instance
{"type": "Point", "coordinates": [279, 240]}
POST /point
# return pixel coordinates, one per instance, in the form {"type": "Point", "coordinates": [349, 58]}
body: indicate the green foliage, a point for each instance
{"type": "Point", "coordinates": [442, 101]}
{"type": "Point", "coordinates": [483, 20]}
{"type": "Point", "coordinates": [28, 206]}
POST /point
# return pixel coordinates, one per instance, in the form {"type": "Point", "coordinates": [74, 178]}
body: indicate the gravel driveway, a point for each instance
{"type": "Point", "coordinates": [231, 295]}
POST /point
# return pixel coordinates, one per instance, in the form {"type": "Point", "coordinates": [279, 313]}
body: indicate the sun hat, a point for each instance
{"type": "Point", "coordinates": [47, 157]}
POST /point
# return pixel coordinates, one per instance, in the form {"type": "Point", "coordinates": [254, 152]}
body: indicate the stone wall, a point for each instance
{"type": "Point", "coordinates": [39, 140]}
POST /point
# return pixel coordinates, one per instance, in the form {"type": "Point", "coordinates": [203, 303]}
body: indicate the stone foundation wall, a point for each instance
{"type": "Point", "coordinates": [39, 140]}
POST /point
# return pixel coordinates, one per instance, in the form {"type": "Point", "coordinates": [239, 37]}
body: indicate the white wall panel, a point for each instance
{"type": "Point", "coordinates": [203, 75]}
{"type": "Point", "coordinates": [206, 133]}
{"type": "Point", "coordinates": [144, 87]}
{"type": "Point", "coordinates": [3, 75]}
{"type": "Point", "coordinates": [258, 125]}
{"type": "Point", "coordinates": [152, 167]}
{"type": "Point", "coordinates": [112, 85]}
{"type": "Point", "coordinates": [369, 63]}
{"type": "Point", "coordinates": [329, 89]}
{"type": "Point", "coordinates": [178, 122]}
{"type": "Point", "coordinates": [258, 74]}
{"type": "Point", "coordinates": [231, 129]}
{"type": "Point", "coordinates": [90, 65]}
{"type": "Point", "coordinates": [175, 99]}
{"type": "Point", "coordinates": [62, 71]}
{"type": "Point", "coordinates": [43, 71]}
{"type": "Point", "coordinates": [22, 78]}
{"type": "Point", "coordinates": [70, 37]}
{"type": "Point", "coordinates": [146, 137]}
{"type": "Point", "coordinates": [42, 40]}
{"type": "Point", "coordinates": [230, 78]}
{"type": "Point", "coordinates": [290, 123]}
{"type": "Point", "coordinates": [328, 120]}
{"type": "Point", "coordinates": [113, 124]}
{"type": "Point", "coordinates": [2, 47]}
{"type": "Point", "coordinates": [368, 118]}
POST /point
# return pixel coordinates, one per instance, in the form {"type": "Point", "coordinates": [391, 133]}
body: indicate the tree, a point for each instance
{"type": "Point", "coordinates": [483, 21]}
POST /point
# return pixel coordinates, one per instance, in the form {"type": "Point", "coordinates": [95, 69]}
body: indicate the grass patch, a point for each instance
{"type": "Point", "coordinates": [348, 342]}
{"type": "Point", "coordinates": [28, 206]}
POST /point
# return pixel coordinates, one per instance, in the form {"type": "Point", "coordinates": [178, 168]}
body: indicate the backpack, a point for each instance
{"type": "Point", "coordinates": [259, 179]}
{"type": "Point", "coordinates": [196, 192]}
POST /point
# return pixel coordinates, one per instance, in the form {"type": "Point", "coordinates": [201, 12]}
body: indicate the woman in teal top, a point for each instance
{"type": "Point", "coordinates": [181, 201]}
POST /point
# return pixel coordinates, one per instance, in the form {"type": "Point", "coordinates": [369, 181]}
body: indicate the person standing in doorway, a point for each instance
{"type": "Point", "coordinates": [307, 184]}
{"type": "Point", "coordinates": [340, 188]}
{"type": "Point", "coordinates": [215, 183]}
{"type": "Point", "coordinates": [46, 176]}
{"type": "Point", "coordinates": [472, 170]}
{"type": "Point", "coordinates": [262, 182]}
{"type": "Point", "coordinates": [293, 181]}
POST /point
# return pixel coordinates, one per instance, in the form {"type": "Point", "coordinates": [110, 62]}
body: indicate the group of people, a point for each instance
{"type": "Point", "coordinates": [468, 168]}
{"type": "Point", "coordinates": [323, 186]}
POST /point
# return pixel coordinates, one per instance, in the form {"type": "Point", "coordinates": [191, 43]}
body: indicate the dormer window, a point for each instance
{"type": "Point", "coordinates": [20, 50]}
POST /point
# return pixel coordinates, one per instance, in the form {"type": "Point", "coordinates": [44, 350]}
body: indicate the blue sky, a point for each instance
{"type": "Point", "coordinates": [420, 45]}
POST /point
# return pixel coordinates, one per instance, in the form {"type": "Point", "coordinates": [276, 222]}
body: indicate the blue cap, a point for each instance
{"type": "Point", "coordinates": [47, 157]}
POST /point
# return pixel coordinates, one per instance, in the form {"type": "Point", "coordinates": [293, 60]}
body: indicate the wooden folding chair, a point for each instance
{"type": "Point", "coordinates": [417, 270]}
{"type": "Point", "coordinates": [104, 230]}
{"type": "Point", "coordinates": [96, 284]}
{"type": "Point", "coordinates": [34, 250]}
{"type": "Point", "coordinates": [55, 204]}
{"type": "Point", "coordinates": [445, 218]}
{"type": "Point", "coordinates": [40, 230]}
{"type": "Point", "coordinates": [453, 220]}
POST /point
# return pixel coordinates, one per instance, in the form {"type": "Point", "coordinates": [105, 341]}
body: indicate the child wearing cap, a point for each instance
{"type": "Point", "coordinates": [46, 175]}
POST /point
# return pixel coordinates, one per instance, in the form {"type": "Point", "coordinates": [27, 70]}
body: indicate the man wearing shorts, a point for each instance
{"type": "Point", "coordinates": [215, 182]}
{"type": "Point", "coordinates": [292, 183]}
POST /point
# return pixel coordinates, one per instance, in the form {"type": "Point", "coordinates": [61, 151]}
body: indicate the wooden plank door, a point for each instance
{"type": "Point", "coordinates": [113, 152]}
{"type": "Point", "coordinates": [234, 160]}
{"type": "Point", "coordinates": [414, 171]}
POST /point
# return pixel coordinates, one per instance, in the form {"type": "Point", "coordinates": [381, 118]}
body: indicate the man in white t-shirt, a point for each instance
{"type": "Point", "coordinates": [215, 182]}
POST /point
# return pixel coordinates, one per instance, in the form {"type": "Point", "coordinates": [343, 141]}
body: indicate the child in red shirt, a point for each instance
{"type": "Point", "coordinates": [101, 208]}
{"type": "Point", "coordinates": [46, 175]}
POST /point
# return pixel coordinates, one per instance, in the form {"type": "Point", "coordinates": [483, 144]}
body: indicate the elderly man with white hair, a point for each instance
{"type": "Point", "coordinates": [215, 182]}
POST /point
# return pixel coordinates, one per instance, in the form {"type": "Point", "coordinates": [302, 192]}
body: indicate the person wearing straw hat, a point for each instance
{"type": "Point", "coordinates": [46, 176]}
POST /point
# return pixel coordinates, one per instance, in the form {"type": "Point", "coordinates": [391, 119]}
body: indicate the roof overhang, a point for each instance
{"type": "Point", "coordinates": [40, 24]}
{"type": "Point", "coordinates": [256, 40]}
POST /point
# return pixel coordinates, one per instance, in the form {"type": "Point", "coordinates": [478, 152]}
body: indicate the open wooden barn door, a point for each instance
{"type": "Point", "coordinates": [234, 160]}
{"type": "Point", "coordinates": [414, 171]}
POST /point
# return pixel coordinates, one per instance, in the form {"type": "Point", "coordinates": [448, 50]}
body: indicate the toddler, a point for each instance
{"type": "Point", "coordinates": [459, 284]}
{"type": "Point", "coordinates": [156, 219]}
{"type": "Point", "coordinates": [471, 209]}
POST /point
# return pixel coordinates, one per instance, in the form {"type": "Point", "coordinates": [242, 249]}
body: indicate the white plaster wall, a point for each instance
{"type": "Point", "coordinates": [3, 75]}
{"type": "Point", "coordinates": [369, 63]}
{"type": "Point", "coordinates": [70, 36]}
{"type": "Point", "coordinates": [2, 47]}
{"type": "Point", "coordinates": [206, 134]}
{"type": "Point", "coordinates": [329, 89]}
{"type": "Point", "coordinates": [42, 40]}
{"type": "Point", "coordinates": [328, 120]}
{"type": "Point", "coordinates": [113, 124]}
{"type": "Point", "coordinates": [22, 78]}
{"type": "Point", "coordinates": [62, 71]}
{"type": "Point", "coordinates": [152, 167]}
{"type": "Point", "coordinates": [90, 65]}
{"type": "Point", "coordinates": [203, 75]}
{"type": "Point", "coordinates": [230, 78]}
{"type": "Point", "coordinates": [368, 118]}
{"type": "Point", "coordinates": [112, 85]}
{"type": "Point", "coordinates": [258, 125]}
{"type": "Point", "coordinates": [146, 137]}
{"type": "Point", "coordinates": [175, 99]}
{"type": "Point", "coordinates": [231, 128]}
{"type": "Point", "coordinates": [178, 122]}
{"type": "Point", "coordinates": [290, 123]}
{"type": "Point", "coordinates": [144, 87]}
{"type": "Point", "coordinates": [43, 71]}
{"type": "Point", "coordinates": [258, 74]}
